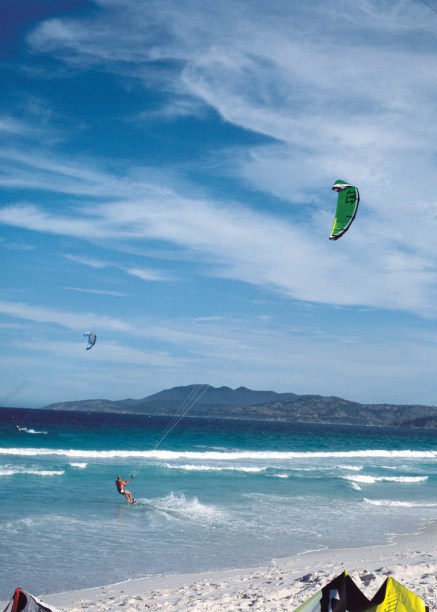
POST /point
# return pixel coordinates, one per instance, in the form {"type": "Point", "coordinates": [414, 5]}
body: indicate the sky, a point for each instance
{"type": "Point", "coordinates": [165, 182]}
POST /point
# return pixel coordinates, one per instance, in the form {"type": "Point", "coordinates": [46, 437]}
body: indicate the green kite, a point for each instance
{"type": "Point", "coordinates": [342, 594]}
{"type": "Point", "coordinates": [347, 206]}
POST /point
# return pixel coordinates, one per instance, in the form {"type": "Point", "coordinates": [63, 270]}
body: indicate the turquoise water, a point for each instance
{"type": "Point", "coordinates": [211, 495]}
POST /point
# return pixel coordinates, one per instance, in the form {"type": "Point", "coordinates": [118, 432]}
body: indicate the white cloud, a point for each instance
{"type": "Point", "coordinates": [147, 274]}
{"type": "Point", "coordinates": [104, 352]}
{"type": "Point", "coordinates": [88, 261]}
{"type": "Point", "coordinates": [176, 333]}
{"type": "Point", "coordinates": [337, 92]}
{"type": "Point", "coordinates": [12, 126]}
{"type": "Point", "coordinates": [144, 273]}
{"type": "Point", "coordinates": [96, 291]}
{"type": "Point", "coordinates": [69, 320]}
{"type": "Point", "coordinates": [259, 248]}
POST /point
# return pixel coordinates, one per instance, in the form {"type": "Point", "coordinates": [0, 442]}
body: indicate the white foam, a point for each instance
{"type": "Point", "coordinates": [218, 456]}
{"type": "Point", "coordinates": [81, 466]}
{"type": "Point", "coordinates": [33, 472]}
{"type": "Point", "coordinates": [399, 504]}
{"type": "Point", "coordinates": [179, 506]}
{"type": "Point", "coordinates": [212, 468]}
{"type": "Point", "coordinates": [366, 479]}
{"type": "Point", "coordinates": [45, 472]}
{"type": "Point", "coordinates": [7, 472]}
{"type": "Point", "coordinates": [32, 431]}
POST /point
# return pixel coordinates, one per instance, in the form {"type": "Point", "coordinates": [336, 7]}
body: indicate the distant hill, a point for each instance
{"type": "Point", "coordinates": [205, 401]}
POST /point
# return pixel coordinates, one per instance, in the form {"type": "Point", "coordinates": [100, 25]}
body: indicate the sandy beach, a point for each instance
{"type": "Point", "coordinates": [282, 585]}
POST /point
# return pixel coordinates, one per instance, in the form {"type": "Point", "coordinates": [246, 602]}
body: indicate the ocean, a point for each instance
{"type": "Point", "coordinates": [211, 494]}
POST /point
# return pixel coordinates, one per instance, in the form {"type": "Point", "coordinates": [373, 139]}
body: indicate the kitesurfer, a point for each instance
{"type": "Point", "coordinates": [120, 484]}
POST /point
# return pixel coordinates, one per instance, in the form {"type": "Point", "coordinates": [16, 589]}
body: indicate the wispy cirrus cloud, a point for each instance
{"type": "Point", "coordinates": [332, 97]}
{"type": "Point", "coordinates": [237, 242]}
{"type": "Point", "coordinates": [171, 333]}
{"type": "Point", "coordinates": [147, 274]}
{"type": "Point", "coordinates": [226, 124]}
{"type": "Point", "coordinates": [252, 247]}
{"type": "Point", "coordinates": [88, 261]}
{"type": "Point", "coordinates": [96, 291]}
{"type": "Point", "coordinates": [15, 127]}
{"type": "Point", "coordinates": [113, 353]}
{"type": "Point", "coordinates": [69, 320]}
{"type": "Point", "coordinates": [144, 273]}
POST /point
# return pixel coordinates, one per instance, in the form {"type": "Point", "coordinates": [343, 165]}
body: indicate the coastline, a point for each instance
{"type": "Point", "coordinates": [282, 585]}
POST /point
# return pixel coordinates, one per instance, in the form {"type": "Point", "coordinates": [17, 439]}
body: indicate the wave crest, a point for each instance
{"type": "Point", "coordinates": [366, 479]}
{"type": "Point", "coordinates": [399, 504]}
{"type": "Point", "coordinates": [33, 472]}
{"type": "Point", "coordinates": [218, 455]}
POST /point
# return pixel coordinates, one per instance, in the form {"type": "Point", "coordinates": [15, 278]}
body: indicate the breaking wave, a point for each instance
{"type": "Point", "coordinates": [33, 472]}
{"type": "Point", "coordinates": [399, 504]}
{"type": "Point", "coordinates": [365, 479]}
{"type": "Point", "coordinates": [218, 455]}
{"type": "Point", "coordinates": [211, 468]}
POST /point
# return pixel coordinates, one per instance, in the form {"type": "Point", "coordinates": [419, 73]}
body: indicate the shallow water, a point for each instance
{"type": "Point", "coordinates": [212, 495]}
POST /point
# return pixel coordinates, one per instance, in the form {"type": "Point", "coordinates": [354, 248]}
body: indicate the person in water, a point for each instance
{"type": "Point", "coordinates": [120, 484]}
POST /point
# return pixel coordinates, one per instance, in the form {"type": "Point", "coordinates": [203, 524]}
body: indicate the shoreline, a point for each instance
{"type": "Point", "coordinates": [282, 585]}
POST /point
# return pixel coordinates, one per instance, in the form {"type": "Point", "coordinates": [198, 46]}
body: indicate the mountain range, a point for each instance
{"type": "Point", "coordinates": [205, 401]}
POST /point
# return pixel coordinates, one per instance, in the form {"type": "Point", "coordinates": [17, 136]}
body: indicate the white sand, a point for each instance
{"type": "Point", "coordinates": [283, 585]}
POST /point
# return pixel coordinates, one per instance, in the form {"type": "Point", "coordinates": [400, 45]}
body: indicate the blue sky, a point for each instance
{"type": "Point", "coordinates": [165, 181]}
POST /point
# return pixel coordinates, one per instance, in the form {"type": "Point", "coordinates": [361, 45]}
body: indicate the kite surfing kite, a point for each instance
{"type": "Point", "coordinates": [343, 594]}
{"type": "Point", "coordinates": [347, 206]}
{"type": "Point", "coordinates": [25, 602]}
{"type": "Point", "coordinates": [91, 339]}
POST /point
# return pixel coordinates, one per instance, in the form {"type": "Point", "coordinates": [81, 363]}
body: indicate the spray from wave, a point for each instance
{"type": "Point", "coordinates": [177, 505]}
